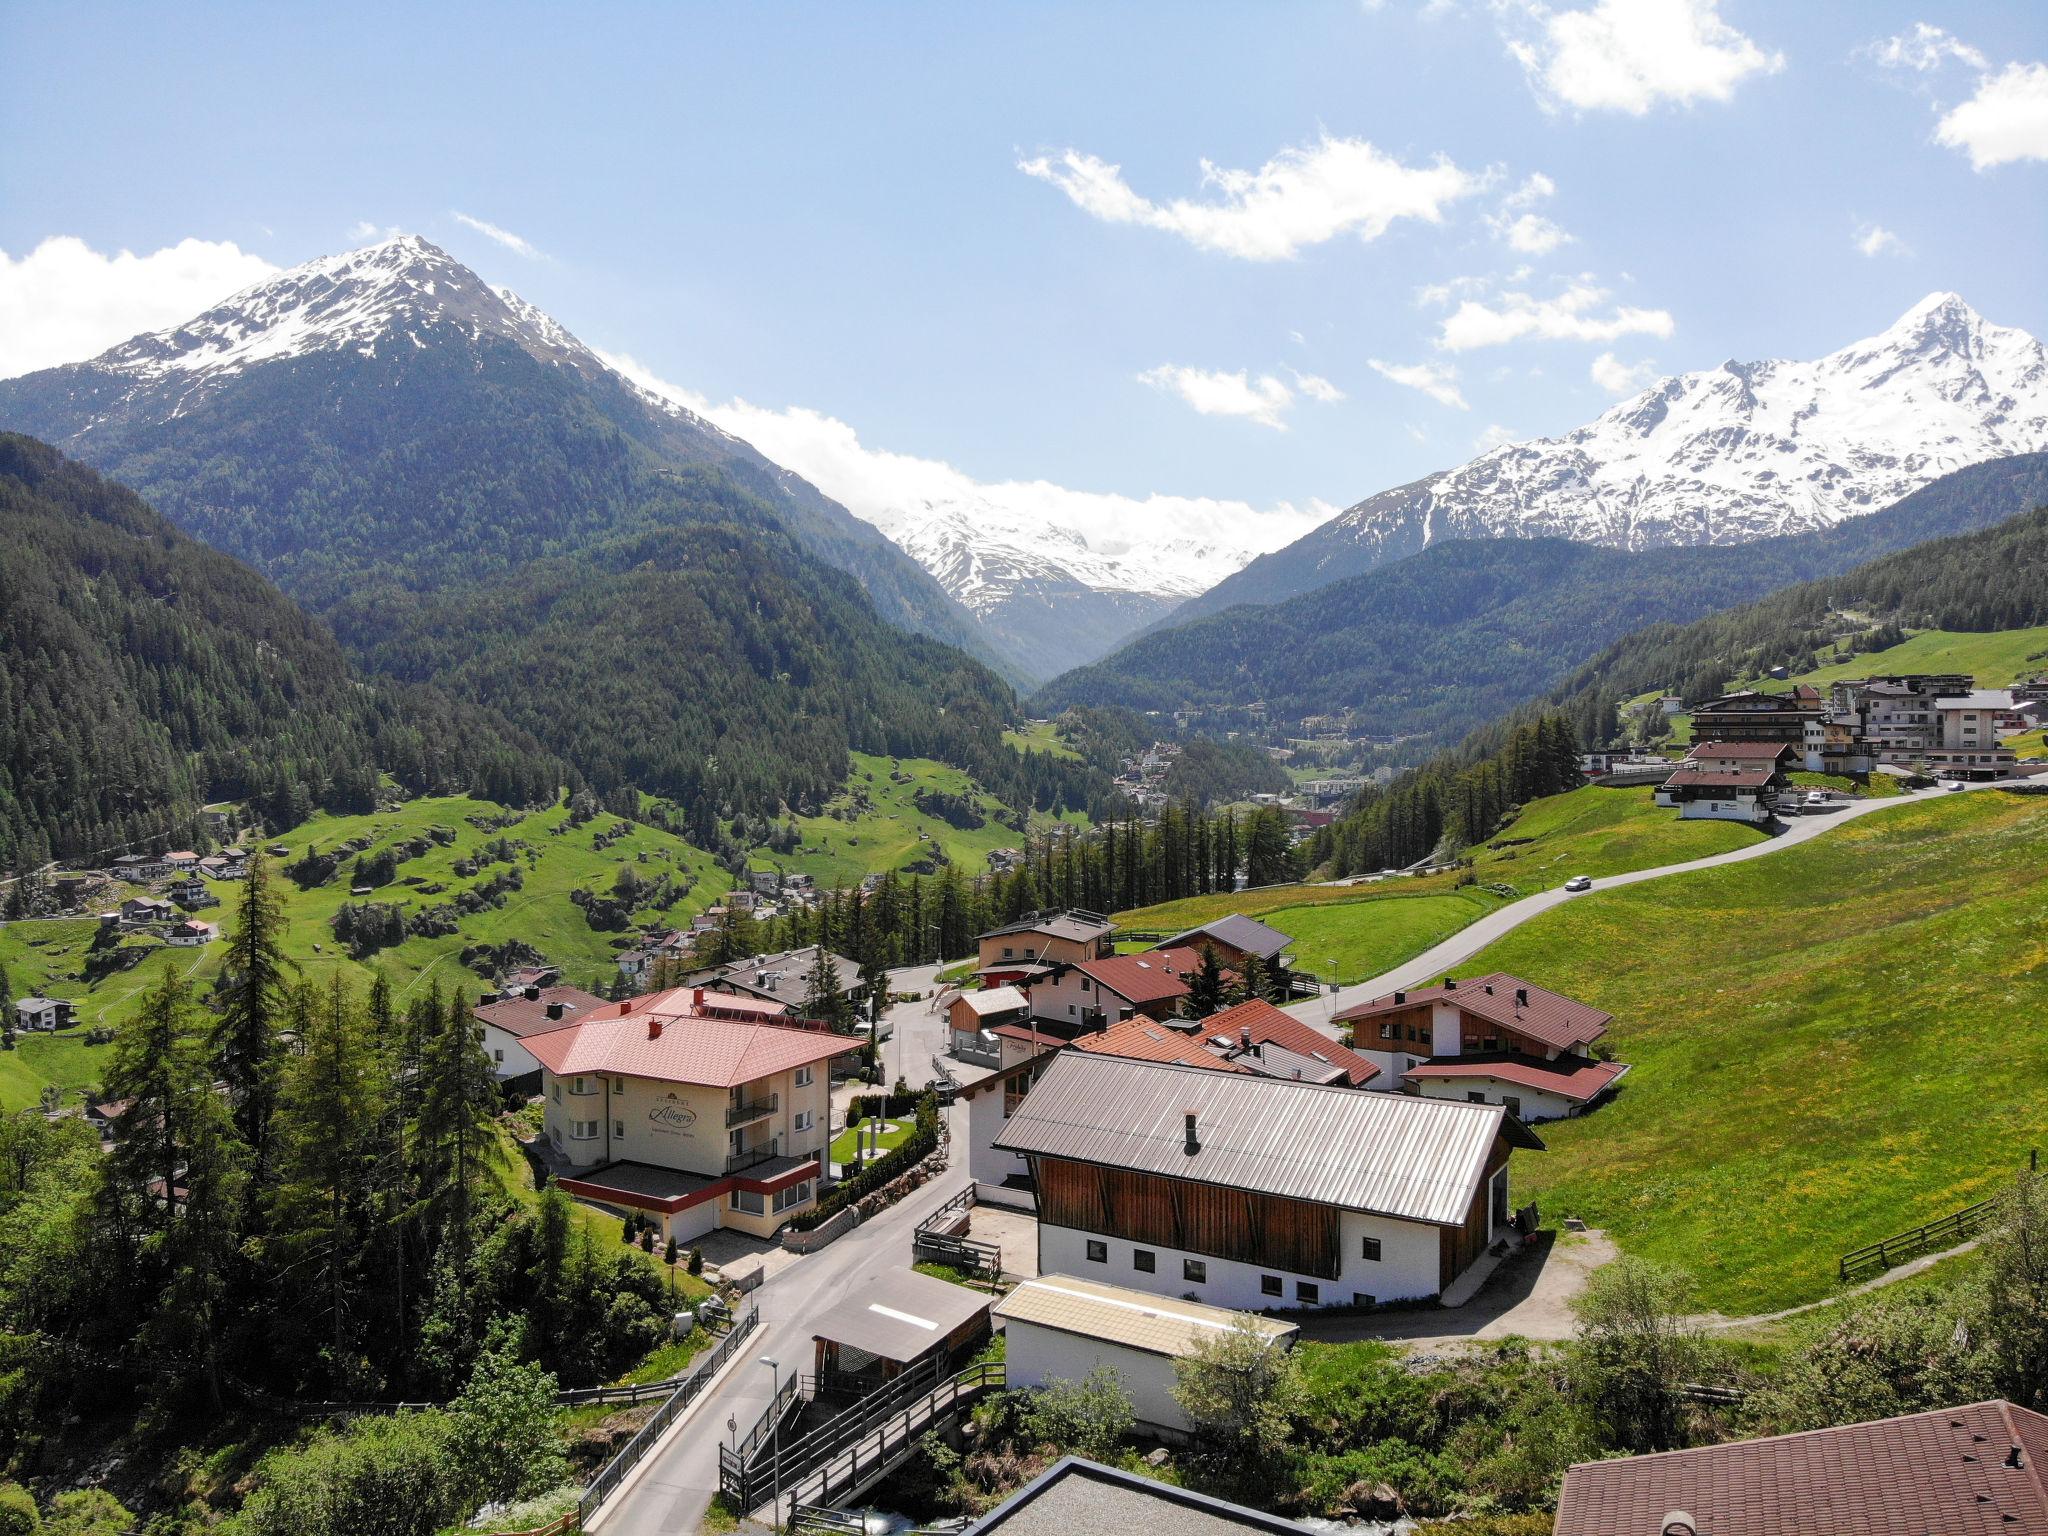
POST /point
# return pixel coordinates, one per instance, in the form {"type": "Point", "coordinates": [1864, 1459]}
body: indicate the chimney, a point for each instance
{"type": "Point", "coordinates": [2015, 1458]}
{"type": "Point", "coordinates": [1244, 1038]}
{"type": "Point", "coordinates": [1521, 997]}
{"type": "Point", "coordinates": [1678, 1523]}
{"type": "Point", "coordinates": [696, 999]}
{"type": "Point", "coordinates": [1194, 1141]}
{"type": "Point", "coordinates": [556, 1010]}
{"type": "Point", "coordinates": [1450, 983]}
{"type": "Point", "coordinates": [533, 994]}
{"type": "Point", "coordinates": [487, 999]}
{"type": "Point", "coordinates": [653, 1027]}
{"type": "Point", "coordinates": [1400, 997]}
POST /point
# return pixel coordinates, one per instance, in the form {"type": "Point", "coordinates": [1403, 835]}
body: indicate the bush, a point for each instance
{"type": "Point", "coordinates": [88, 1512]}
{"type": "Point", "coordinates": [1081, 1418]}
{"type": "Point", "coordinates": [696, 1261]}
{"type": "Point", "coordinates": [668, 1254]}
{"type": "Point", "coordinates": [379, 1477]}
{"type": "Point", "coordinates": [18, 1515]}
{"type": "Point", "coordinates": [503, 1439]}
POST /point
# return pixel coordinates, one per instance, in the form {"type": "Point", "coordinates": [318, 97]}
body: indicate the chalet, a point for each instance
{"type": "Point", "coordinates": [522, 977]}
{"type": "Point", "coordinates": [190, 891]}
{"type": "Point", "coordinates": [892, 1323]}
{"type": "Point", "coordinates": [1062, 1327]}
{"type": "Point", "coordinates": [184, 862]}
{"type": "Point", "coordinates": [191, 934]}
{"type": "Point", "coordinates": [972, 1015]}
{"type": "Point", "coordinates": [138, 911]}
{"type": "Point", "coordinates": [1729, 781]}
{"type": "Point", "coordinates": [1028, 948]}
{"type": "Point", "coordinates": [1255, 1192]}
{"type": "Point", "coordinates": [1074, 1497]}
{"type": "Point", "coordinates": [637, 965]}
{"type": "Point", "coordinates": [137, 867]}
{"type": "Point", "coordinates": [1236, 939]}
{"type": "Point", "coordinates": [699, 1122]}
{"type": "Point", "coordinates": [1079, 996]}
{"type": "Point", "coordinates": [1252, 1037]}
{"type": "Point", "coordinates": [1493, 1039]}
{"type": "Point", "coordinates": [512, 1016]}
{"type": "Point", "coordinates": [1969, 1471]}
{"type": "Point", "coordinates": [783, 979]}
{"type": "Point", "coordinates": [1753, 716]}
{"type": "Point", "coordinates": [43, 1013]}
{"type": "Point", "coordinates": [214, 867]}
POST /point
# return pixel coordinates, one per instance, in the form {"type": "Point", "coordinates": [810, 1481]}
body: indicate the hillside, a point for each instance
{"type": "Point", "coordinates": [385, 416]}
{"type": "Point", "coordinates": [1979, 583]}
{"type": "Point", "coordinates": [552, 857]}
{"type": "Point", "coordinates": [1461, 633]}
{"type": "Point", "coordinates": [1726, 455]}
{"type": "Point", "coordinates": [143, 674]}
{"type": "Point", "coordinates": [1789, 1100]}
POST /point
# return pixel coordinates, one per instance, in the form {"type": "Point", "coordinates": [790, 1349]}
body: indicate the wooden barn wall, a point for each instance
{"type": "Point", "coordinates": [1268, 1230]}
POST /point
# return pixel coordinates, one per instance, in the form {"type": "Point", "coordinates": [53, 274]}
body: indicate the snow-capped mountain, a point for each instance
{"type": "Point", "coordinates": [393, 366]}
{"type": "Point", "coordinates": [1722, 456]}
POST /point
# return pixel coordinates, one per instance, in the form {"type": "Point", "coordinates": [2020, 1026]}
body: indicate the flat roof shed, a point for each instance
{"type": "Point", "coordinates": [896, 1320]}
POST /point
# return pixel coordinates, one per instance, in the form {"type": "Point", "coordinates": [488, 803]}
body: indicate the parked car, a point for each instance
{"type": "Point", "coordinates": [1816, 797]}
{"type": "Point", "coordinates": [1579, 883]}
{"type": "Point", "coordinates": [1952, 784]}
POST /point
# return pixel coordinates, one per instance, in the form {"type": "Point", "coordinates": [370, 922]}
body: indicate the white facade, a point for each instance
{"type": "Point", "coordinates": [1526, 1104]}
{"type": "Point", "coordinates": [1405, 1270]}
{"type": "Point", "coordinates": [1034, 1355]}
{"type": "Point", "coordinates": [595, 1119]}
{"type": "Point", "coordinates": [1072, 995]}
{"type": "Point", "coordinates": [509, 1058]}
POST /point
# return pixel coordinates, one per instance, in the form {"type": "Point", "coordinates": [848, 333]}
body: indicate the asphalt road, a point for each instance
{"type": "Point", "coordinates": [675, 1484]}
{"type": "Point", "coordinates": [1466, 942]}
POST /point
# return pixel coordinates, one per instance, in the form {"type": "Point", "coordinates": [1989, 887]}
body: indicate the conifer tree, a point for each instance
{"type": "Point", "coordinates": [458, 1098]}
{"type": "Point", "coordinates": [245, 1044]}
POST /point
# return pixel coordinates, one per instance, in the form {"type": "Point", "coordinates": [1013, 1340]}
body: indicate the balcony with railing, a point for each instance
{"type": "Point", "coordinates": [760, 1152]}
{"type": "Point", "coordinates": [757, 1108]}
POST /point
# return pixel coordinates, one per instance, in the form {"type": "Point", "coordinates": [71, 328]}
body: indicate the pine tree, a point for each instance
{"type": "Point", "coordinates": [458, 1099]}
{"type": "Point", "coordinates": [823, 998]}
{"type": "Point", "coordinates": [245, 1044]}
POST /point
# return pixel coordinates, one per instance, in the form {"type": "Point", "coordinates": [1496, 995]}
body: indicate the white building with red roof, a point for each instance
{"type": "Point", "coordinates": [655, 1105]}
{"type": "Point", "coordinates": [1493, 1039]}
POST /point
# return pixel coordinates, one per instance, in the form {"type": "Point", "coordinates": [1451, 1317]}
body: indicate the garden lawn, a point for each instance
{"type": "Point", "coordinates": [846, 1141]}
{"type": "Point", "coordinates": [1598, 831]}
{"type": "Point", "coordinates": [1829, 1045]}
{"type": "Point", "coordinates": [1356, 942]}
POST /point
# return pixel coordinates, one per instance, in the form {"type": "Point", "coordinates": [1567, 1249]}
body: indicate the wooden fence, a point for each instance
{"type": "Point", "coordinates": [1943, 1232]}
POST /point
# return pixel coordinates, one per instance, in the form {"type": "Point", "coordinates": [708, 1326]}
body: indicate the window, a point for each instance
{"type": "Point", "coordinates": [1072, 1010]}
{"type": "Point", "coordinates": [1308, 1293]}
{"type": "Point", "coordinates": [1369, 1248]}
{"type": "Point", "coordinates": [1474, 1098]}
{"type": "Point", "coordinates": [803, 1077]}
{"type": "Point", "coordinates": [1098, 1251]}
{"type": "Point", "coordinates": [805, 1119]}
{"type": "Point", "coordinates": [798, 1193]}
{"type": "Point", "coordinates": [1144, 1261]}
{"type": "Point", "coordinates": [555, 1089]}
{"type": "Point", "coordinates": [1269, 1285]}
{"type": "Point", "coordinates": [618, 1085]}
{"type": "Point", "coordinates": [1364, 1299]}
{"type": "Point", "coordinates": [1513, 1104]}
{"type": "Point", "coordinates": [1195, 1270]}
{"type": "Point", "coordinates": [750, 1201]}
{"type": "Point", "coordinates": [580, 1085]}
{"type": "Point", "coordinates": [1390, 1031]}
{"type": "Point", "coordinates": [498, 1056]}
{"type": "Point", "coordinates": [583, 1130]}
{"type": "Point", "coordinates": [618, 1127]}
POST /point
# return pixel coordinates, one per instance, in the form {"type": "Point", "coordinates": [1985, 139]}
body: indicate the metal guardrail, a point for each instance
{"type": "Point", "coordinates": [761, 1154]}
{"type": "Point", "coordinates": [814, 1520]}
{"type": "Point", "coordinates": [1943, 1232]}
{"type": "Point", "coordinates": [740, 1114]}
{"type": "Point", "coordinates": [887, 1441]}
{"type": "Point", "coordinates": [613, 1472]}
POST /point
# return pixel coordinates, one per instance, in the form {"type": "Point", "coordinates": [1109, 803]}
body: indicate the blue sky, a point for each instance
{"type": "Point", "coordinates": [901, 218]}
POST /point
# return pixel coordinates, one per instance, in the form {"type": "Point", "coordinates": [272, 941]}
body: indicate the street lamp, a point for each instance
{"type": "Point", "coordinates": [775, 1430]}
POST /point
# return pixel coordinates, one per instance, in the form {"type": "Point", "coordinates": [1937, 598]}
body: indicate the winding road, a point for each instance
{"type": "Point", "coordinates": [1467, 942]}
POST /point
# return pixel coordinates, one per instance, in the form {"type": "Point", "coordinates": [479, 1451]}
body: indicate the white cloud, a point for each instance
{"type": "Point", "coordinates": [1494, 437]}
{"type": "Point", "coordinates": [1439, 381]}
{"type": "Point", "coordinates": [1925, 48]}
{"type": "Point", "coordinates": [1619, 378]}
{"type": "Point", "coordinates": [893, 490]}
{"type": "Point", "coordinates": [1316, 387]}
{"type": "Point", "coordinates": [1876, 240]}
{"type": "Point", "coordinates": [1630, 55]}
{"type": "Point", "coordinates": [518, 245]}
{"type": "Point", "coordinates": [64, 301]}
{"type": "Point", "coordinates": [1299, 198]}
{"type": "Point", "coordinates": [370, 233]}
{"type": "Point", "coordinates": [2006, 120]}
{"type": "Point", "coordinates": [1523, 230]}
{"type": "Point", "coordinates": [1212, 392]}
{"type": "Point", "coordinates": [1577, 314]}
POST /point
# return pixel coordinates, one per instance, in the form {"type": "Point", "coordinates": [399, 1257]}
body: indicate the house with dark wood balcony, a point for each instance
{"type": "Point", "coordinates": [1254, 1192]}
{"type": "Point", "coordinates": [699, 1121]}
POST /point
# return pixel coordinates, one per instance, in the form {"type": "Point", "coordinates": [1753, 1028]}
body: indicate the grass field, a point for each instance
{"type": "Point", "coordinates": [1598, 831]}
{"type": "Point", "coordinates": [876, 824]}
{"type": "Point", "coordinates": [556, 858]}
{"type": "Point", "coordinates": [1039, 736]}
{"type": "Point", "coordinates": [1995, 658]}
{"type": "Point", "coordinates": [1829, 1045]}
{"type": "Point", "coordinates": [2030, 745]}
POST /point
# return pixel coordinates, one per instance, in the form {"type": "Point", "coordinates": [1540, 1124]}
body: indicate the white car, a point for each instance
{"type": "Point", "coordinates": [1579, 883]}
{"type": "Point", "coordinates": [1952, 784]}
{"type": "Point", "coordinates": [1816, 797]}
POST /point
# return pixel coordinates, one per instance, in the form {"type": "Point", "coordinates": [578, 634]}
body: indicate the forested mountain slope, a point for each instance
{"type": "Point", "coordinates": [1463, 632]}
{"type": "Point", "coordinates": [142, 673]}
{"type": "Point", "coordinates": [384, 418]}
{"type": "Point", "coordinates": [1996, 579]}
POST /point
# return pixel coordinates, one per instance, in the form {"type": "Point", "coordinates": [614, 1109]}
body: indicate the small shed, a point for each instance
{"type": "Point", "coordinates": [892, 1323]}
{"type": "Point", "coordinates": [1061, 1327]}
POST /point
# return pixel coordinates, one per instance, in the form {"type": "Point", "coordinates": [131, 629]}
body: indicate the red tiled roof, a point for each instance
{"type": "Point", "coordinates": [716, 1053]}
{"type": "Point", "coordinates": [1764, 749]}
{"type": "Point", "coordinates": [1270, 1026]}
{"type": "Point", "coordinates": [1693, 776]}
{"type": "Point", "coordinates": [1950, 1472]}
{"type": "Point", "coordinates": [1550, 1017]}
{"type": "Point", "coordinates": [1148, 978]}
{"type": "Point", "coordinates": [1143, 1039]}
{"type": "Point", "coordinates": [521, 1016]}
{"type": "Point", "coordinates": [1572, 1079]}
